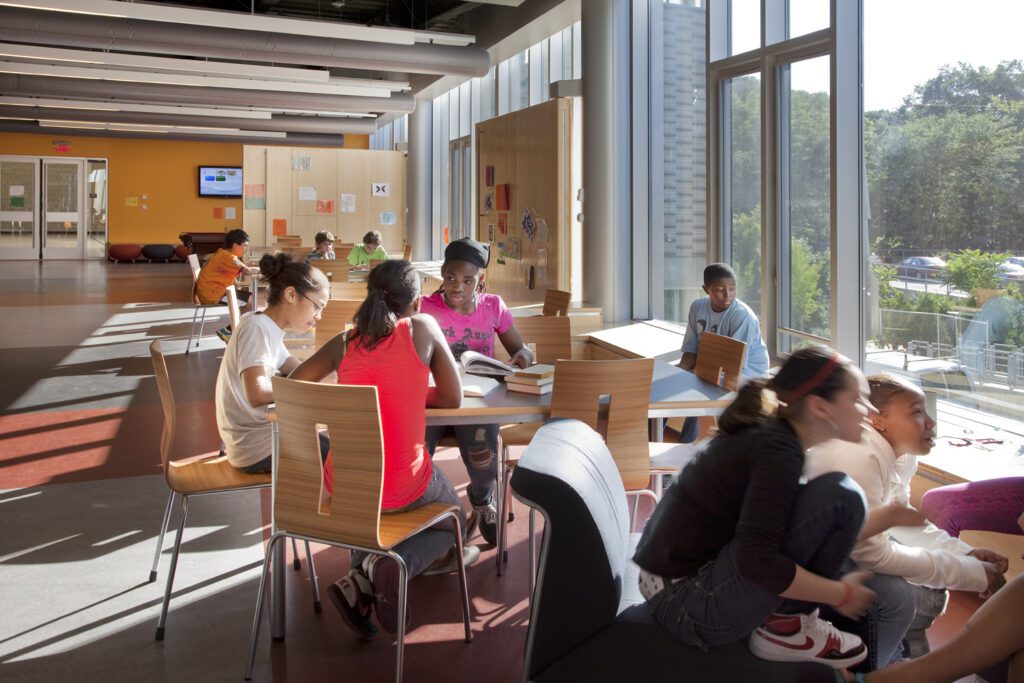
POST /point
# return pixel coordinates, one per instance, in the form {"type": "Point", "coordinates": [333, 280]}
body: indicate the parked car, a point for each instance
{"type": "Point", "coordinates": [921, 267]}
{"type": "Point", "coordinates": [1016, 260]}
{"type": "Point", "coordinates": [1011, 272]}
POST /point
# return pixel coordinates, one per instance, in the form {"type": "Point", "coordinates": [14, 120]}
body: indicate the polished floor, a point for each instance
{"type": "Point", "coordinates": [81, 497]}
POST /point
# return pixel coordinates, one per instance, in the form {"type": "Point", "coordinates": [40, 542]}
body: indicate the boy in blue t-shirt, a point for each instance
{"type": "Point", "coordinates": [721, 313]}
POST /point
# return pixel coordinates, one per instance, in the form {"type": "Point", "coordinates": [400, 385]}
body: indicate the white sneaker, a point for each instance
{"type": "Point", "coordinates": [806, 638]}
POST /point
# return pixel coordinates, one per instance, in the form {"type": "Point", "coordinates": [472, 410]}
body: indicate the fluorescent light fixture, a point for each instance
{"type": "Point", "coordinates": [23, 68]}
{"type": "Point", "coordinates": [138, 108]}
{"type": "Point", "coordinates": [247, 22]}
{"type": "Point", "coordinates": [269, 73]}
{"type": "Point", "coordinates": [143, 128]}
{"type": "Point", "coordinates": [336, 114]}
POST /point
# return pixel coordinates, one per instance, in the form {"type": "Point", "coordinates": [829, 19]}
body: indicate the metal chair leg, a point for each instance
{"type": "Point", "coordinates": [202, 323]}
{"type": "Point", "coordinates": [192, 330]}
{"type": "Point", "coordinates": [506, 502]}
{"type": "Point", "coordinates": [462, 579]}
{"type": "Point", "coordinates": [160, 539]}
{"type": "Point", "coordinates": [317, 607]}
{"type": "Point", "coordinates": [403, 592]}
{"type": "Point", "coordinates": [296, 563]}
{"type": "Point", "coordinates": [259, 606]}
{"type": "Point", "coordinates": [533, 550]}
{"type": "Point", "coordinates": [170, 574]}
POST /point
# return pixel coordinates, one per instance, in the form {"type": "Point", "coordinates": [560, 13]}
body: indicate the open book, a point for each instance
{"type": "Point", "coordinates": [478, 364]}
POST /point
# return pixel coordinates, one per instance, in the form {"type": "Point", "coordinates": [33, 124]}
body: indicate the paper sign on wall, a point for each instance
{"type": "Point", "coordinates": [256, 196]}
{"type": "Point", "coordinates": [325, 207]}
{"type": "Point", "coordinates": [16, 202]}
{"type": "Point", "coordinates": [300, 163]}
{"type": "Point", "coordinates": [381, 190]}
{"type": "Point", "coordinates": [388, 218]}
{"type": "Point", "coordinates": [348, 203]}
{"type": "Point", "coordinates": [488, 205]}
{"type": "Point", "coordinates": [280, 226]}
{"type": "Point", "coordinates": [131, 201]}
{"type": "Point", "coordinates": [218, 212]}
{"type": "Point", "coordinates": [503, 223]}
{"type": "Point", "coordinates": [17, 191]}
{"type": "Point", "coordinates": [229, 213]}
{"type": "Point", "coordinates": [307, 194]}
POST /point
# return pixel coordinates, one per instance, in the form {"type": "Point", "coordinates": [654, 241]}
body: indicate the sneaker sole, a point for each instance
{"type": "Point", "coordinates": [365, 630]}
{"type": "Point", "coordinates": [385, 589]}
{"type": "Point", "coordinates": [472, 554]}
{"type": "Point", "coordinates": [782, 656]}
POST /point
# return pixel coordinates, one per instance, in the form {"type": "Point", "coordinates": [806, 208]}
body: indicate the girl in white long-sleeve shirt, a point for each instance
{"type": "Point", "coordinates": [883, 463]}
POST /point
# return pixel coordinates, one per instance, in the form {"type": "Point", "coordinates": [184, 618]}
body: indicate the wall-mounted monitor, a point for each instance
{"type": "Point", "coordinates": [220, 181]}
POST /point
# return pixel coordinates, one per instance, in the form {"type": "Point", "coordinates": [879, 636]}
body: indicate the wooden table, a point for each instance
{"type": "Point", "coordinates": [647, 339]}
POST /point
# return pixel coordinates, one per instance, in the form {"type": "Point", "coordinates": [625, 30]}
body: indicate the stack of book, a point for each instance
{"type": "Point", "coordinates": [536, 379]}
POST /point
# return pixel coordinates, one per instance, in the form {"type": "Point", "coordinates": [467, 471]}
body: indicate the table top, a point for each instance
{"type": "Point", "coordinates": [674, 393]}
{"type": "Point", "coordinates": [646, 339]}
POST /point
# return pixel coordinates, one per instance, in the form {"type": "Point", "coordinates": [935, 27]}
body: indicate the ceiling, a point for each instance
{"type": "Point", "coordinates": [301, 72]}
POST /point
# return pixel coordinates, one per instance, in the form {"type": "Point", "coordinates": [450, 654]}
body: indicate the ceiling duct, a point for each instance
{"type": "Point", "coordinates": [292, 139]}
{"type": "Point", "coordinates": [277, 123]}
{"type": "Point", "coordinates": [46, 86]}
{"type": "Point", "coordinates": [128, 35]}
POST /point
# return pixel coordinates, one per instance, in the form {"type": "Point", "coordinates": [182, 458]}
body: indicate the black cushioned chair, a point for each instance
{"type": "Point", "coordinates": [588, 621]}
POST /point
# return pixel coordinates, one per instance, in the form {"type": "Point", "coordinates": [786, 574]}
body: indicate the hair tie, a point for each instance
{"type": "Point", "coordinates": [823, 373]}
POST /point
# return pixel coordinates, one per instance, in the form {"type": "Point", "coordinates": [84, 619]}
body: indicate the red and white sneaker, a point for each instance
{"type": "Point", "coordinates": [806, 638]}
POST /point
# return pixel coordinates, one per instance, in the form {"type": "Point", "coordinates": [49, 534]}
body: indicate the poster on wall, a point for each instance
{"type": "Point", "coordinates": [381, 190]}
{"type": "Point", "coordinates": [325, 207]}
{"type": "Point", "coordinates": [529, 225]}
{"type": "Point", "coordinates": [348, 203]}
{"type": "Point", "coordinates": [256, 196]}
{"type": "Point", "coordinates": [229, 213]}
{"type": "Point", "coordinates": [488, 202]}
{"type": "Point", "coordinates": [388, 218]}
{"type": "Point", "coordinates": [307, 194]}
{"type": "Point", "coordinates": [503, 223]}
{"type": "Point", "coordinates": [504, 196]}
{"type": "Point", "coordinates": [301, 163]}
{"type": "Point", "coordinates": [489, 176]}
{"type": "Point", "coordinates": [280, 226]}
{"type": "Point", "coordinates": [490, 232]}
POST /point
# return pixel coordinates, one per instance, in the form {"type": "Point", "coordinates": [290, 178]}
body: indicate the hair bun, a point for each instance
{"type": "Point", "coordinates": [271, 265]}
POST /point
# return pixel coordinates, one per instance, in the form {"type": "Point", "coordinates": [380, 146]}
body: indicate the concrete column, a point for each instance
{"type": "Point", "coordinates": [607, 163]}
{"type": "Point", "coordinates": [419, 188]}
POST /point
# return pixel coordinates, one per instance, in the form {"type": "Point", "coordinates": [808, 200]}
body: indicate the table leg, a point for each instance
{"type": "Point", "coordinates": [277, 567]}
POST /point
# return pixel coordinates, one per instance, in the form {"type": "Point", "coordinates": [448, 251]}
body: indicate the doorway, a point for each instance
{"type": "Point", "coordinates": [52, 208]}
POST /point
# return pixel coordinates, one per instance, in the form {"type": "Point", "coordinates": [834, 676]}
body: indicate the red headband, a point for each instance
{"type": "Point", "coordinates": [823, 373]}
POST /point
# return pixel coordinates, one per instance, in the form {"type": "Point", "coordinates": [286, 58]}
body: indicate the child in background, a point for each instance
{"type": "Point", "coordinates": [220, 271]}
{"type": "Point", "coordinates": [369, 249]}
{"type": "Point", "coordinates": [324, 246]}
{"type": "Point", "coordinates": [296, 297]}
{"type": "Point", "coordinates": [470, 320]}
{"type": "Point", "coordinates": [739, 548]}
{"type": "Point", "coordinates": [721, 313]}
{"type": "Point", "coordinates": [883, 462]}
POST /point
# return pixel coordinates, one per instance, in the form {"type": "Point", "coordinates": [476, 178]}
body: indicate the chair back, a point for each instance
{"type": "Point", "coordinates": [720, 360]}
{"type": "Point", "coordinates": [343, 250]}
{"type": "Point", "coordinates": [352, 417]}
{"type": "Point", "coordinates": [556, 302]}
{"type": "Point", "coordinates": [163, 385]}
{"type": "Point", "coordinates": [550, 336]}
{"type": "Point", "coordinates": [577, 394]}
{"type": "Point", "coordinates": [341, 289]}
{"type": "Point", "coordinates": [407, 252]}
{"type": "Point", "coordinates": [233, 311]}
{"type": "Point", "coordinates": [374, 262]}
{"type": "Point", "coordinates": [194, 267]}
{"type": "Point", "coordinates": [569, 475]}
{"type": "Point", "coordinates": [289, 240]}
{"type": "Point", "coordinates": [336, 315]}
{"type": "Point", "coordinates": [335, 270]}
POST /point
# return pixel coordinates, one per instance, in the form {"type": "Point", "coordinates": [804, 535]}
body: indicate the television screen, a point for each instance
{"type": "Point", "coordinates": [220, 181]}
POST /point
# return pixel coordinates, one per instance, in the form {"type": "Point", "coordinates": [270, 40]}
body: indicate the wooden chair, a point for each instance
{"type": "Point", "coordinates": [234, 311]}
{"type": "Point", "coordinates": [209, 473]}
{"type": "Point", "coordinates": [343, 250]}
{"type": "Point", "coordinates": [407, 252]}
{"type": "Point", "coordinates": [352, 517]}
{"type": "Point", "coordinates": [336, 315]}
{"type": "Point", "coordinates": [556, 302]}
{"type": "Point", "coordinates": [553, 341]}
{"type": "Point", "coordinates": [374, 262]}
{"type": "Point", "coordinates": [193, 264]}
{"type": "Point", "coordinates": [348, 290]}
{"type": "Point", "coordinates": [335, 270]}
{"type": "Point", "coordinates": [289, 240]}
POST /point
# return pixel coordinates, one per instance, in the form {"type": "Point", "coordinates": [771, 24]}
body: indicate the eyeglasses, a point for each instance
{"type": "Point", "coordinates": [318, 307]}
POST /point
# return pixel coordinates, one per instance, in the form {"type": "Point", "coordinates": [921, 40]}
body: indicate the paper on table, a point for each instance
{"type": "Point", "coordinates": [472, 391]}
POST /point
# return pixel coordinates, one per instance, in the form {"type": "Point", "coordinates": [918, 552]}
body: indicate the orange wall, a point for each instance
{"type": "Point", "coordinates": [163, 170]}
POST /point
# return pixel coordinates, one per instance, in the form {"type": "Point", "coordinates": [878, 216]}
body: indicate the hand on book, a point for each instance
{"type": "Point", "coordinates": [522, 358]}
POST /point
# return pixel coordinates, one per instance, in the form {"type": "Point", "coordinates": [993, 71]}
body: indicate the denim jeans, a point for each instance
{"type": "Point", "coordinates": [266, 464]}
{"type": "Point", "coordinates": [716, 605]}
{"type": "Point", "coordinates": [422, 549]}
{"type": "Point", "coordinates": [478, 446]}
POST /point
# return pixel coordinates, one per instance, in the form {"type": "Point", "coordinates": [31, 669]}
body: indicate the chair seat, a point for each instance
{"type": "Point", "coordinates": [398, 526]}
{"type": "Point", "coordinates": [211, 473]}
{"type": "Point", "coordinates": [519, 434]}
{"type": "Point", "coordinates": [671, 457]}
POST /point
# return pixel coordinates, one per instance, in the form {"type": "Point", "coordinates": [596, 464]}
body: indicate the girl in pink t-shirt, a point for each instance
{"type": "Point", "coordinates": [470, 320]}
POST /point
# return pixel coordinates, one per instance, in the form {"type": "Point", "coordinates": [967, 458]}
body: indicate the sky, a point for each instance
{"type": "Point", "coordinates": [905, 41]}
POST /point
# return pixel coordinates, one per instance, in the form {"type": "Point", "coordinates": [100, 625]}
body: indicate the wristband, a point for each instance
{"type": "Point", "coordinates": [846, 595]}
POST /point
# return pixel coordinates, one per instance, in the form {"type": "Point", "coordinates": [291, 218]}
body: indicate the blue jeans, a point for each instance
{"type": "Point", "coordinates": [422, 549]}
{"type": "Point", "coordinates": [717, 606]}
{"type": "Point", "coordinates": [478, 446]}
{"type": "Point", "coordinates": [266, 464]}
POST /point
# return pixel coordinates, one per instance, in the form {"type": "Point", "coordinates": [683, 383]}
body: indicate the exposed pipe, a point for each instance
{"type": "Point", "coordinates": [106, 33]}
{"type": "Point", "coordinates": [13, 84]}
{"type": "Point", "coordinates": [292, 140]}
{"type": "Point", "coordinates": [278, 122]}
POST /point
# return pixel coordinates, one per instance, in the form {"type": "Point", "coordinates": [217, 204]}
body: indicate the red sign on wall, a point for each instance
{"type": "Point", "coordinates": [61, 146]}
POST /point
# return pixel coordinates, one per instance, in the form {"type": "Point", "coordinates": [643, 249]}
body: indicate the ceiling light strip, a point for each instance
{"type": "Point", "coordinates": [137, 108]}
{"type": "Point", "coordinates": [183, 130]}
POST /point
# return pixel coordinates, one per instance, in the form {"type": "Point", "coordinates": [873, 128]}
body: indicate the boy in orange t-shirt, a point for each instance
{"type": "Point", "coordinates": [221, 270]}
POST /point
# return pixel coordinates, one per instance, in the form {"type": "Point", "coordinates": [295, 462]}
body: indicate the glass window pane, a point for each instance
{"type": "Point", "coordinates": [577, 50]}
{"type": "Point", "coordinates": [97, 207]}
{"type": "Point", "coordinates": [465, 102]}
{"type": "Point", "coordinates": [744, 26]}
{"type": "Point", "coordinates": [488, 105]}
{"type": "Point", "coordinates": [685, 165]}
{"type": "Point", "coordinates": [17, 203]}
{"type": "Point", "coordinates": [555, 57]}
{"type": "Point", "coordinates": [741, 183]}
{"type": "Point", "coordinates": [805, 197]}
{"type": "Point", "coordinates": [518, 82]}
{"type": "Point", "coordinates": [453, 114]}
{"type": "Point", "coordinates": [807, 16]}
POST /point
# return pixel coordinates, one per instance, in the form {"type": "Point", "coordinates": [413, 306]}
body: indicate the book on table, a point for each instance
{"type": "Point", "coordinates": [516, 378]}
{"type": "Point", "coordinates": [476, 363]}
{"type": "Point", "coordinates": [537, 389]}
{"type": "Point", "coordinates": [537, 371]}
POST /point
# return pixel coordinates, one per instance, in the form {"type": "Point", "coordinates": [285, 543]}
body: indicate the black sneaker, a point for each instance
{"type": "Point", "coordinates": [353, 598]}
{"type": "Point", "coordinates": [486, 517]}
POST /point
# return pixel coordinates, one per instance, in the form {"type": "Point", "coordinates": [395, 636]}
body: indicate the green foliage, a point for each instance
{"type": "Point", "coordinates": [971, 269]}
{"type": "Point", "coordinates": [746, 256]}
{"type": "Point", "coordinates": [809, 295]}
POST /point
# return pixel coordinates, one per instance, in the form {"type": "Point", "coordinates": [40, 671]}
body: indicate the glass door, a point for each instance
{"type": "Point", "coordinates": [19, 208]}
{"type": "Point", "coordinates": [63, 208]}
{"type": "Point", "coordinates": [96, 202]}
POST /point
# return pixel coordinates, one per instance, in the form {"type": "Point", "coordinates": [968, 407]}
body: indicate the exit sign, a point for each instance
{"type": "Point", "coordinates": [61, 146]}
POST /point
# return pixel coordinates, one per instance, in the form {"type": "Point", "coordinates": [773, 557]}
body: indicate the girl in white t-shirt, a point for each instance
{"type": "Point", "coordinates": [297, 296]}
